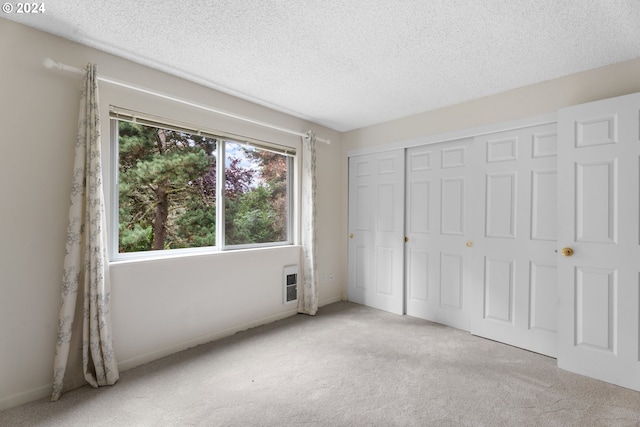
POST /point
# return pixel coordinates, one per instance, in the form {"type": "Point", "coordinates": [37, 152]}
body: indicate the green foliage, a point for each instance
{"type": "Point", "coordinates": [135, 239]}
{"type": "Point", "coordinates": [260, 214]}
{"type": "Point", "coordinates": [195, 228]}
{"type": "Point", "coordinates": [251, 218]}
{"type": "Point", "coordinates": [161, 172]}
{"type": "Point", "coordinates": [167, 192]}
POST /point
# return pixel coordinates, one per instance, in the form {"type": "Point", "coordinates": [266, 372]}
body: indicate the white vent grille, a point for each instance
{"type": "Point", "coordinates": [290, 282]}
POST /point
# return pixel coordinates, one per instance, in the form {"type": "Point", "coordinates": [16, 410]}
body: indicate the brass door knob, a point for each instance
{"type": "Point", "coordinates": [566, 251]}
{"type": "Point", "coordinates": [351, 236]}
{"type": "Point", "coordinates": [469, 244]}
{"type": "Point", "coordinates": [406, 239]}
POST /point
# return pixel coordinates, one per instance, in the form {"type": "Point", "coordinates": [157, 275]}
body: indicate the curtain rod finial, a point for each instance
{"type": "Point", "coordinates": [49, 63]}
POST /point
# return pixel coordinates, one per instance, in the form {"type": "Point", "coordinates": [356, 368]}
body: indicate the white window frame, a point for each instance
{"type": "Point", "coordinates": [117, 114]}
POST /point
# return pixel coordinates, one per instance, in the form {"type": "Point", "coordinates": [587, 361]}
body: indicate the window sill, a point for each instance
{"type": "Point", "coordinates": [191, 253]}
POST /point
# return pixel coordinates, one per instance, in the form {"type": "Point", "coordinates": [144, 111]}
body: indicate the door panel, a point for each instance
{"type": "Point", "coordinates": [595, 191]}
{"type": "Point", "coordinates": [595, 306]}
{"type": "Point", "coordinates": [500, 205]}
{"type": "Point", "coordinates": [544, 297]}
{"type": "Point", "coordinates": [498, 289]}
{"type": "Point", "coordinates": [418, 272]}
{"type": "Point", "coordinates": [514, 249]}
{"type": "Point", "coordinates": [376, 226]}
{"type": "Point", "coordinates": [598, 216]}
{"type": "Point", "coordinates": [451, 280]}
{"type": "Point", "coordinates": [544, 204]}
{"type": "Point", "coordinates": [437, 226]}
{"type": "Point", "coordinates": [452, 206]}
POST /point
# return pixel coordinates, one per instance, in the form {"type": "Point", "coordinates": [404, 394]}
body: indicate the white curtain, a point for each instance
{"type": "Point", "coordinates": [308, 300]}
{"type": "Point", "coordinates": [85, 263]}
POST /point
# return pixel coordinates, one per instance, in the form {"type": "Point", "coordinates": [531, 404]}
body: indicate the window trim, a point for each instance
{"type": "Point", "coordinates": [117, 114]}
{"type": "Point", "coordinates": [290, 212]}
{"type": "Point", "coordinates": [123, 114]}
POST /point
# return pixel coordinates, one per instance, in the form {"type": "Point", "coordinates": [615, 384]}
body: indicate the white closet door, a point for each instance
{"type": "Point", "coordinates": [515, 274]}
{"type": "Point", "coordinates": [437, 228]}
{"type": "Point", "coordinates": [599, 157]}
{"type": "Point", "coordinates": [376, 230]}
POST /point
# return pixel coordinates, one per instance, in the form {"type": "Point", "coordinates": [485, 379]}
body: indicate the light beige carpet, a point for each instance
{"type": "Point", "coordinates": [348, 366]}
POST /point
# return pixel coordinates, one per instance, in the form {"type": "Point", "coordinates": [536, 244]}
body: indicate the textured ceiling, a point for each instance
{"type": "Point", "coordinates": [347, 64]}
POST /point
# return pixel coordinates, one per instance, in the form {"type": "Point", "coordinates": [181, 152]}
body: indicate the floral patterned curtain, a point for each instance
{"type": "Point", "coordinates": [85, 263]}
{"type": "Point", "coordinates": [308, 298]}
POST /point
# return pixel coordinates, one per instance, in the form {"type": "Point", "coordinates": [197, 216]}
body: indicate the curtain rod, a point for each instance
{"type": "Point", "coordinates": [50, 63]}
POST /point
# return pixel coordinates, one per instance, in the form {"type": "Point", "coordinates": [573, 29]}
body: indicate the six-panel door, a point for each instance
{"type": "Point", "coordinates": [515, 284]}
{"type": "Point", "coordinates": [598, 219]}
{"type": "Point", "coordinates": [437, 258]}
{"type": "Point", "coordinates": [376, 230]}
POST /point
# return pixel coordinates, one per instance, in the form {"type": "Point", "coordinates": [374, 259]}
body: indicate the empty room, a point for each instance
{"type": "Point", "coordinates": [320, 213]}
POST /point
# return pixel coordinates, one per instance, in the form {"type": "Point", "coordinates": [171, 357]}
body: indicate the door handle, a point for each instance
{"type": "Point", "coordinates": [566, 251]}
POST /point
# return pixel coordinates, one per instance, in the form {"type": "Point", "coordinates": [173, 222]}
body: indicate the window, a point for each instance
{"type": "Point", "coordinates": [169, 192]}
{"type": "Point", "coordinates": [256, 195]}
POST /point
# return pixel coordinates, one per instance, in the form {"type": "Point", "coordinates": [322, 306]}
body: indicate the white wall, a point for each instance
{"type": "Point", "coordinates": [160, 306]}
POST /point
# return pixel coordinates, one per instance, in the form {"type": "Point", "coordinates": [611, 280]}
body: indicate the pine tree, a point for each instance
{"type": "Point", "coordinates": [167, 191]}
{"type": "Point", "coordinates": [161, 173]}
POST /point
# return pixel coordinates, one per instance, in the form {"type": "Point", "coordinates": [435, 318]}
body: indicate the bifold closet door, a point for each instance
{"type": "Point", "coordinates": [376, 230]}
{"type": "Point", "coordinates": [438, 210]}
{"type": "Point", "coordinates": [598, 161]}
{"type": "Point", "coordinates": [514, 250]}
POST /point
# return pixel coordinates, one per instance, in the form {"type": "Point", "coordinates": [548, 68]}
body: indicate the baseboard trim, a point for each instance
{"type": "Point", "coordinates": [45, 390]}
{"type": "Point", "coordinates": [125, 365]}
{"type": "Point", "coordinates": [331, 300]}
{"type": "Point", "coordinates": [26, 397]}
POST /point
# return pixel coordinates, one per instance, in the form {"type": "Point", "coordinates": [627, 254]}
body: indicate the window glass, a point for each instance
{"type": "Point", "coordinates": [167, 189]}
{"type": "Point", "coordinates": [167, 182]}
{"type": "Point", "coordinates": [256, 195]}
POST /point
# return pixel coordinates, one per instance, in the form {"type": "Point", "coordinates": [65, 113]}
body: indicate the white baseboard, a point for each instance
{"type": "Point", "coordinates": [125, 365]}
{"type": "Point", "coordinates": [26, 397]}
{"type": "Point", "coordinates": [331, 300]}
{"type": "Point", "coordinates": [167, 351]}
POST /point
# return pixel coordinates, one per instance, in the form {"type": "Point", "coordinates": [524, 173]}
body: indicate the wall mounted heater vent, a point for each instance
{"type": "Point", "coordinates": [290, 281]}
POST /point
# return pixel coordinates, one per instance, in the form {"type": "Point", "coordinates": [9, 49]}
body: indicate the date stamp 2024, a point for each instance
{"type": "Point", "coordinates": [23, 8]}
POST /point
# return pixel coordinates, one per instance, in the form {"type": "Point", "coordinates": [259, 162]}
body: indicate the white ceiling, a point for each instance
{"type": "Point", "coordinates": [347, 64]}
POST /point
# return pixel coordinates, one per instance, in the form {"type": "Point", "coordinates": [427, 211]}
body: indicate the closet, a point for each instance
{"type": "Point", "coordinates": [527, 235]}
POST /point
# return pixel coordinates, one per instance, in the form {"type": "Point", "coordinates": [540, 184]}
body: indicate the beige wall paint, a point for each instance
{"type": "Point", "coordinates": [161, 306]}
{"type": "Point", "coordinates": [543, 98]}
